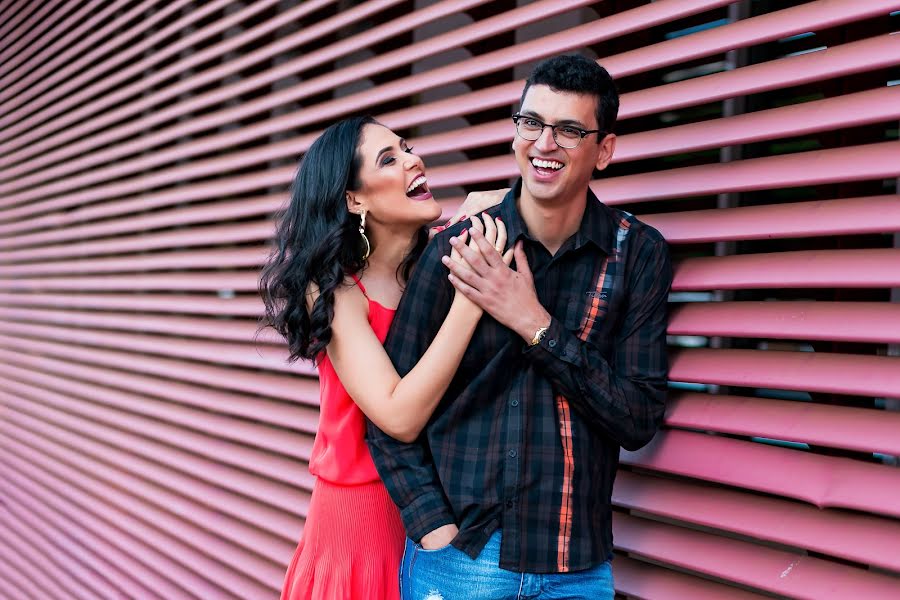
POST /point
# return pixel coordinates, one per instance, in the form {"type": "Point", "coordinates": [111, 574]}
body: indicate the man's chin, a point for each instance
{"type": "Point", "coordinates": [541, 191]}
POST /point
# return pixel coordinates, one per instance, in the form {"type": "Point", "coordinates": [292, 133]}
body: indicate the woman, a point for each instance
{"type": "Point", "coordinates": [345, 244]}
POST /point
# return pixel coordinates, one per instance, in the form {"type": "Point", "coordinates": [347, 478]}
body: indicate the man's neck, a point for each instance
{"type": "Point", "coordinates": [552, 223]}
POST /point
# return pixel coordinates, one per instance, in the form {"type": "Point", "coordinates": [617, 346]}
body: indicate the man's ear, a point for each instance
{"type": "Point", "coordinates": [605, 151]}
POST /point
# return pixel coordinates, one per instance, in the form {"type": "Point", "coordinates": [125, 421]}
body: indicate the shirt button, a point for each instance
{"type": "Point", "coordinates": [552, 343]}
{"type": "Point", "coordinates": [514, 403]}
{"type": "Point", "coordinates": [509, 504]}
{"type": "Point", "coordinates": [512, 453]}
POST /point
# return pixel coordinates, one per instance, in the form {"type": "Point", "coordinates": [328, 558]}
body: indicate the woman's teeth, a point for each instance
{"type": "Point", "coordinates": [417, 182]}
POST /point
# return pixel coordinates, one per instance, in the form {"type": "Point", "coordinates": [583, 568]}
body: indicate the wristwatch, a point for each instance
{"type": "Point", "coordinates": [538, 336]}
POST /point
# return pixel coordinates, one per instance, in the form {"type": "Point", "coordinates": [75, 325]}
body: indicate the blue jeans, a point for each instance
{"type": "Point", "coordinates": [449, 574]}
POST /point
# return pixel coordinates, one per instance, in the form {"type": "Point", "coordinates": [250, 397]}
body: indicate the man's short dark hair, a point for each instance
{"type": "Point", "coordinates": [580, 75]}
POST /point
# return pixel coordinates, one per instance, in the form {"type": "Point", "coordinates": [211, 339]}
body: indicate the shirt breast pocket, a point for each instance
{"type": "Point", "coordinates": [588, 318]}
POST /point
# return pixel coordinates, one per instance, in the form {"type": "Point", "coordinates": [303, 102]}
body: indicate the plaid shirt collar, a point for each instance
{"type": "Point", "coordinates": [597, 225]}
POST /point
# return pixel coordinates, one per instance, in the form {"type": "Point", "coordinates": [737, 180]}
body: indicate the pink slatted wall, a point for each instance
{"type": "Point", "coordinates": [150, 448]}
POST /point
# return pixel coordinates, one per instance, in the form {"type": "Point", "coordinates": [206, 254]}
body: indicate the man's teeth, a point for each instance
{"type": "Point", "coordinates": [547, 164]}
{"type": "Point", "coordinates": [420, 180]}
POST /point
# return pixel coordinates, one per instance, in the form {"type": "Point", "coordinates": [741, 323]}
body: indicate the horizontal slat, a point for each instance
{"type": "Point", "coordinates": [126, 37]}
{"type": "Point", "coordinates": [572, 38]}
{"type": "Point", "coordinates": [110, 113]}
{"type": "Point", "coordinates": [238, 306]}
{"type": "Point", "coordinates": [14, 40]}
{"type": "Point", "coordinates": [62, 226]}
{"type": "Point", "coordinates": [785, 220]}
{"type": "Point", "coordinates": [189, 259]}
{"type": "Point", "coordinates": [860, 429]}
{"type": "Point", "coordinates": [768, 569]}
{"type": "Point", "coordinates": [258, 383]}
{"type": "Point", "coordinates": [236, 547]}
{"type": "Point", "coordinates": [193, 192]}
{"type": "Point", "coordinates": [643, 581]}
{"type": "Point", "coordinates": [44, 420]}
{"type": "Point", "coordinates": [256, 437]}
{"type": "Point", "coordinates": [20, 557]}
{"type": "Point", "coordinates": [502, 168]}
{"type": "Point", "coordinates": [211, 401]}
{"type": "Point", "coordinates": [427, 47]}
{"type": "Point", "coordinates": [824, 481]}
{"type": "Point", "coordinates": [831, 373]}
{"type": "Point", "coordinates": [854, 537]}
{"type": "Point", "coordinates": [860, 268]}
{"type": "Point", "coordinates": [91, 77]}
{"type": "Point", "coordinates": [839, 112]}
{"type": "Point", "coordinates": [874, 322]}
{"type": "Point", "coordinates": [850, 110]}
{"type": "Point", "coordinates": [58, 552]}
{"type": "Point", "coordinates": [106, 557]}
{"type": "Point", "coordinates": [171, 557]}
{"type": "Point", "coordinates": [11, 28]}
{"type": "Point", "coordinates": [877, 52]}
{"type": "Point", "coordinates": [15, 583]}
{"type": "Point", "coordinates": [248, 354]}
{"type": "Point", "coordinates": [237, 330]}
{"type": "Point", "coordinates": [16, 73]}
{"type": "Point", "coordinates": [198, 281]}
{"type": "Point", "coordinates": [866, 268]}
{"type": "Point", "coordinates": [852, 163]}
{"type": "Point", "coordinates": [242, 506]}
{"type": "Point", "coordinates": [111, 413]}
{"type": "Point", "coordinates": [237, 233]}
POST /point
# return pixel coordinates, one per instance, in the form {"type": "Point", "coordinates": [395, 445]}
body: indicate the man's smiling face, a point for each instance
{"type": "Point", "coordinates": [554, 174]}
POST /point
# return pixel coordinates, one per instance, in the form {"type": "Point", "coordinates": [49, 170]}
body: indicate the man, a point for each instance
{"type": "Point", "coordinates": [506, 494]}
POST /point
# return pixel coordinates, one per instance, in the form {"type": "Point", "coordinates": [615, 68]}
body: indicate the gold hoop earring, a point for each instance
{"type": "Point", "coordinates": [362, 232]}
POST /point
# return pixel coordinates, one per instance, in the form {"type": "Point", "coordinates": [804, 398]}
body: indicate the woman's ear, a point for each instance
{"type": "Point", "coordinates": [354, 205]}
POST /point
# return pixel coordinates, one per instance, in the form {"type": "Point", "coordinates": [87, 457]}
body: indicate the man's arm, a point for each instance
{"type": "Point", "coordinates": [624, 399]}
{"type": "Point", "coordinates": [407, 469]}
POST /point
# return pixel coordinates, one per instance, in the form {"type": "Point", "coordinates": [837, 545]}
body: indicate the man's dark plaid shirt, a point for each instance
{"type": "Point", "coordinates": [527, 438]}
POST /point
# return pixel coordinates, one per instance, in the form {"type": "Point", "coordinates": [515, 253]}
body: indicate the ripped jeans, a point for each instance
{"type": "Point", "coordinates": [449, 574]}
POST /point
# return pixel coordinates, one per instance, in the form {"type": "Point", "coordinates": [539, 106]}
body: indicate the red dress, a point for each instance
{"type": "Point", "coordinates": [353, 538]}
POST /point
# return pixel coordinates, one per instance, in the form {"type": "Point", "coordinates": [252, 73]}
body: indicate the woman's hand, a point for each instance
{"type": "Point", "coordinates": [491, 231]}
{"type": "Point", "coordinates": [475, 203]}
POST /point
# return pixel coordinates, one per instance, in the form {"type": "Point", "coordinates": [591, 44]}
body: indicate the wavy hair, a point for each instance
{"type": "Point", "coordinates": [317, 241]}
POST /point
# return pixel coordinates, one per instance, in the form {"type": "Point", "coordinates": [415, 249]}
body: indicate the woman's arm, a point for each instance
{"type": "Point", "coordinates": [401, 406]}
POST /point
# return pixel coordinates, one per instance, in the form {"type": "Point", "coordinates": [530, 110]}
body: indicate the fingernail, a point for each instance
{"type": "Point", "coordinates": [499, 219]}
{"type": "Point", "coordinates": [453, 241]}
{"type": "Point", "coordinates": [445, 259]}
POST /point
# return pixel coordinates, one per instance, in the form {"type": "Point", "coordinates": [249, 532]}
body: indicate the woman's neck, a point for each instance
{"type": "Point", "coordinates": [380, 275]}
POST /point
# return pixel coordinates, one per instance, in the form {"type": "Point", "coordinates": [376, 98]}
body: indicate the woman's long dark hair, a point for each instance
{"type": "Point", "coordinates": [317, 241]}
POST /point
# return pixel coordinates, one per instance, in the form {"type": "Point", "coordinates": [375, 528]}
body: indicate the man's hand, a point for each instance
{"type": "Point", "coordinates": [507, 295]}
{"type": "Point", "coordinates": [440, 537]}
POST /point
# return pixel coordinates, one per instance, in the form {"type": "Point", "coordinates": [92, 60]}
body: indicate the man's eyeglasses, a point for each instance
{"type": "Point", "coordinates": [565, 136]}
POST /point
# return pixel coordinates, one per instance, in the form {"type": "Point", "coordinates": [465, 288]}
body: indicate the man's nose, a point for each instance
{"type": "Point", "coordinates": [545, 141]}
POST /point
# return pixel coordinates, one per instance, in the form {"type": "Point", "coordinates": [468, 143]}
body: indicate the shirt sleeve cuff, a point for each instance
{"type": "Point", "coordinates": [425, 514]}
{"type": "Point", "coordinates": [557, 344]}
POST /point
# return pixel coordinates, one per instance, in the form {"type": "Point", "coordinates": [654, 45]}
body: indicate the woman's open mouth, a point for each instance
{"type": "Point", "coordinates": [418, 189]}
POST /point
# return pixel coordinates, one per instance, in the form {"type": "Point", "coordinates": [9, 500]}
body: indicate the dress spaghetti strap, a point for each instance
{"type": "Point", "coordinates": [362, 288]}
